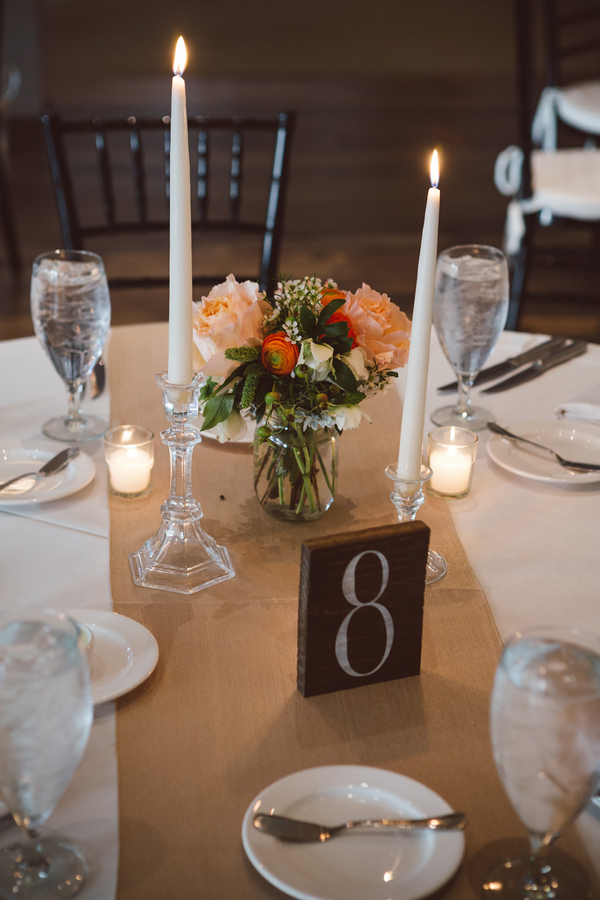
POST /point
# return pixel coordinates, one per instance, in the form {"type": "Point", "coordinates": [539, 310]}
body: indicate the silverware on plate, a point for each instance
{"type": "Point", "coordinates": [54, 465]}
{"type": "Point", "coordinates": [287, 829]}
{"type": "Point", "coordinates": [567, 463]}
{"type": "Point", "coordinates": [509, 365]}
{"type": "Point", "coordinates": [576, 348]}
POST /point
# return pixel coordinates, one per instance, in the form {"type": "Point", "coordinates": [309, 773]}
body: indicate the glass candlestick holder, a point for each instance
{"type": "Point", "coordinates": [408, 497]}
{"type": "Point", "coordinates": [180, 557]}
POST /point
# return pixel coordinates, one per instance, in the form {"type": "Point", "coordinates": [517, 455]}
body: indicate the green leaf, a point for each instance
{"type": "Point", "coordinates": [255, 368]}
{"type": "Point", "coordinates": [238, 372]}
{"type": "Point", "coordinates": [328, 311]}
{"type": "Point", "coordinates": [308, 321]}
{"type": "Point", "coordinates": [345, 376]}
{"type": "Point", "coordinates": [207, 389]}
{"type": "Point", "coordinates": [337, 329]}
{"type": "Point", "coordinates": [264, 386]}
{"type": "Point", "coordinates": [217, 409]}
{"type": "Point", "coordinates": [342, 345]}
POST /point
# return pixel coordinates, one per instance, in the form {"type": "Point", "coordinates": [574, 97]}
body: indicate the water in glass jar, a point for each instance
{"type": "Point", "coordinates": [545, 724]}
{"type": "Point", "coordinates": [470, 309]}
{"type": "Point", "coordinates": [70, 306]}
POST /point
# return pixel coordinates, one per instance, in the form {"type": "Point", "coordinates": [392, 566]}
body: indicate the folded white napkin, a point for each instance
{"type": "Point", "coordinates": [586, 407]}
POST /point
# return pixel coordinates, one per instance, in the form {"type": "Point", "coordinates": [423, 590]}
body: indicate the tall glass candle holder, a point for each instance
{"type": "Point", "coordinates": [408, 497]}
{"type": "Point", "coordinates": [180, 557]}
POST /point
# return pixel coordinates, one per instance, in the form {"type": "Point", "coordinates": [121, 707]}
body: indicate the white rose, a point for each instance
{"type": "Point", "coordinates": [234, 426]}
{"type": "Point", "coordinates": [348, 416]}
{"type": "Point", "coordinates": [317, 357]}
{"type": "Point", "coordinates": [355, 360]}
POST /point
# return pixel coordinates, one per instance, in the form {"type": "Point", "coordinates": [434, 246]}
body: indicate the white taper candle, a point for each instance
{"type": "Point", "coordinates": [180, 256]}
{"type": "Point", "coordinates": [413, 415]}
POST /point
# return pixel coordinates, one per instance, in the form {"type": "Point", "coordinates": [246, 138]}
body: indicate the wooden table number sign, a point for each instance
{"type": "Point", "coordinates": [361, 607]}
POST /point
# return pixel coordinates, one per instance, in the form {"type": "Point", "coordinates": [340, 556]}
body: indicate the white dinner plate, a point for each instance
{"type": "Point", "coordinates": [16, 460]}
{"type": "Point", "coordinates": [358, 866]}
{"type": "Point", "coordinates": [579, 442]}
{"type": "Point", "coordinates": [124, 654]}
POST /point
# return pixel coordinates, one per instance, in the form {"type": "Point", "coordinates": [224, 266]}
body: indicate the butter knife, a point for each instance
{"type": "Point", "coordinates": [577, 348]}
{"type": "Point", "coordinates": [287, 829]}
{"type": "Point", "coordinates": [515, 362]}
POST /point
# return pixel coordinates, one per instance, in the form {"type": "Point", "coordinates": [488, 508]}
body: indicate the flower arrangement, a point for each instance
{"type": "Point", "coordinates": [302, 361]}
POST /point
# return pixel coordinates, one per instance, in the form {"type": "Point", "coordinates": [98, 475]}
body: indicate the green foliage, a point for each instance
{"type": "Point", "coordinates": [330, 309]}
{"type": "Point", "coordinates": [345, 376]}
{"type": "Point", "coordinates": [242, 354]}
{"type": "Point", "coordinates": [249, 390]}
{"type": "Point", "coordinates": [218, 408]}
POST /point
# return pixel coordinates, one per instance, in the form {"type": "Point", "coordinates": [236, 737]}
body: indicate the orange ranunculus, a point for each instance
{"type": "Point", "coordinates": [278, 354]}
{"type": "Point", "coordinates": [328, 294]}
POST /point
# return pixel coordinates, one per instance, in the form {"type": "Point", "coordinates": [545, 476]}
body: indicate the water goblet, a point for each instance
{"type": "Point", "coordinates": [70, 307]}
{"type": "Point", "coordinates": [470, 307]}
{"type": "Point", "coordinates": [545, 727]}
{"type": "Point", "coordinates": [46, 712]}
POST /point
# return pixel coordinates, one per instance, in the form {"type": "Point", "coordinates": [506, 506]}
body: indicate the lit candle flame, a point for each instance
{"type": "Point", "coordinates": [434, 170]}
{"type": "Point", "coordinates": [180, 60]}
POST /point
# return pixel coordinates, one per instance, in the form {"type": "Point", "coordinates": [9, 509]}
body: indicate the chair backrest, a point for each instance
{"type": "Point", "coordinates": [527, 88]}
{"type": "Point", "coordinates": [572, 40]}
{"type": "Point", "coordinates": [231, 135]}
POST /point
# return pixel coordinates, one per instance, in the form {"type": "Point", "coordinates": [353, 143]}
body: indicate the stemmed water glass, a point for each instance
{"type": "Point", "coordinates": [469, 312]}
{"type": "Point", "coordinates": [545, 726]}
{"type": "Point", "coordinates": [70, 307]}
{"type": "Point", "coordinates": [46, 713]}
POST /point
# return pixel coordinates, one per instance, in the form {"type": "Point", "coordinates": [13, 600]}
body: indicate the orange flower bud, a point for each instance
{"type": "Point", "coordinates": [278, 354]}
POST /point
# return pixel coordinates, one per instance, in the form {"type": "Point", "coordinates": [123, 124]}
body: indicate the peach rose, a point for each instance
{"type": "Point", "coordinates": [382, 329]}
{"type": "Point", "coordinates": [231, 316]}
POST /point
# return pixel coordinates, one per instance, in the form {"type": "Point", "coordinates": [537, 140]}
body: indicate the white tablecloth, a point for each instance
{"type": "Point", "coordinates": [534, 548]}
{"type": "Point", "coordinates": [56, 555]}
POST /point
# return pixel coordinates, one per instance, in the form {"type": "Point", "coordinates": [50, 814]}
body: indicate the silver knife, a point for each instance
{"type": "Point", "coordinates": [515, 362]}
{"type": "Point", "coordinates": [538, 368]}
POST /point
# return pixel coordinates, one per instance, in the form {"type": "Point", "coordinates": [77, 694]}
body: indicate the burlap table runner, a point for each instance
{"type": "Point", "coordinates": [221, 718]}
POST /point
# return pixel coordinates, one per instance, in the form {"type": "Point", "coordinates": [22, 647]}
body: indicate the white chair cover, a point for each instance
{"type": "Point", "coordinates": [577, 105]}
{"type": "Point", "coordinates": [564, 183]}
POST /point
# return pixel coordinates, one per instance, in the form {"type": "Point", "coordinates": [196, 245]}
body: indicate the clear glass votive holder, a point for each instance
{"type": "Point", "coordinates": [129, 453]}
{"type": "Point", "coordinates": [451, 457]}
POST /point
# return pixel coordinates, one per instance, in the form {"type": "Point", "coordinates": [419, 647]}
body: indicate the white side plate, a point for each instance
{"type": "Point", "coordinates": [125, 653]}
{"type": "Point", "coordinates": [16, 460]}
{"type": "Point", "coordinates": [358, 866]}
{"type": "Point", "coordinates": [579, 442]}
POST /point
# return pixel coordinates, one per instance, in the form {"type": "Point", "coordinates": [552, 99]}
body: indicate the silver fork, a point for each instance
{"type": "Point", "coordinates": [567, 463]}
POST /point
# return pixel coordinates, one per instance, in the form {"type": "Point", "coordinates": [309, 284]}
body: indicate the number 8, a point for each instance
{"type": "Point", "coordinates": [349, 591]}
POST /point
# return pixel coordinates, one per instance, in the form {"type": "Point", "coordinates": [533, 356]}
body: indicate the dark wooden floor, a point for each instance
{"type": "Point", "coordinates": [359, 183]}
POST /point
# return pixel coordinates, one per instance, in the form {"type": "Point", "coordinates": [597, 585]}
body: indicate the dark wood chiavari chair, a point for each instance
{"type": "Point", "coordinates": [202, 129]}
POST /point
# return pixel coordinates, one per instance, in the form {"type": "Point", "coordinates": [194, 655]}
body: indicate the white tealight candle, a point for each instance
{"type": "Point", "coordinates": [451, 457]}
{"type": "Point", "coordinates": [129, 452]}
{"type": "Point", "coordinates": [413, 414]}
{"type": "Point", "coordinates": [451, 470]}
{"type": "Point", "coordinates": [130, 470]}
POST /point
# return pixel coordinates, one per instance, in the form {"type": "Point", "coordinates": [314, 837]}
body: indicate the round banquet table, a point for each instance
{"type": "Point", "coordinates": [533, 547]}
